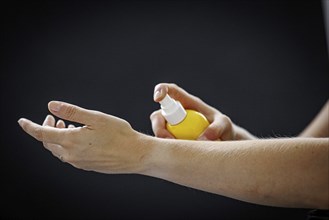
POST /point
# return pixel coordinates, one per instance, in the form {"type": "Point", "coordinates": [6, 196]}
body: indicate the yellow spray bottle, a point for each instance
{"type": "Point", "coordinates": [182, 124]}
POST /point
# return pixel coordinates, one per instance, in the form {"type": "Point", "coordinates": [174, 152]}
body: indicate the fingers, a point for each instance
{"type": "Point", "coordinates": [42, 133]}
{"type": "Point", "coordinates": [171, 89]}
{"type": "Point", "coordinates": [220, 129]}
{"type": "Point", "coordinates": [57, 150]}
{"type": "Point", "coordinates": [160, 92]}
{"type": "Point", "coordinates": [187, 100]}
{"type": "Point", "coordinates": [212, 132]}
{"type": "Point", "coordinates": [72, 112]}
{"type": "Point", "coordinates": [51, 137]}
{"type": "Point", "coordinates": [60, 124]}
{"type": "Point", "coordinates": [159, 126]}
{"type": "Point", "coordinates": [49, 121]}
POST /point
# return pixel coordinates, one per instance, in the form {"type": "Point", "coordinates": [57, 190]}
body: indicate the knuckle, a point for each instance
{"type": "Point", "coordinates": [227, 125]}
{"type": "Point", "coordinates": [161, 133]}
{"type": "Point", "coordinates": [174, 85]}
{"type": "Point", "coordinates": [63, 158]}
{"type": "Point", "coordinates": [70, 112]}
{"type": "Point", "coordinates": [197, 99]}
{"type": "Point", "coordinates": [126, 124]}
{"type": "Point", "coordinates": [212, 129]}
{"type": "Point", "coordinates": [98, 117]}
{"type": "Point", "coordinates": [67, 158]}
{"type": "Point", "coordinates": [212, 133]}
{"type": "Point", "coordinates": [158, 85]}
{"type": "Point", "coordinates": [45, 145]}
{"type": "Point", "coordinates": [226, 120]}
{"type": "Point", "coordinates": [165, 84]}
{"type": "Point", "coordinates": [174, 89]}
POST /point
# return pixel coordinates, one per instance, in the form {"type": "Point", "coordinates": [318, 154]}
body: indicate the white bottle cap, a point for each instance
{"type": "Point", "coordinates": [172, 110]}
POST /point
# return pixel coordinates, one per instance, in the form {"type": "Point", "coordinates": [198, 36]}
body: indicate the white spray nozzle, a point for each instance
{"type": "Point", "coordinates": [172, 110]}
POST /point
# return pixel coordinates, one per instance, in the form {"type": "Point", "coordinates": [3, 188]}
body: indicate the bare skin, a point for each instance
{"type": "Point", "coordinates": [319, 127]}
{"type": "Point", "coordinates": [278, 172]}
{"type": "Point", "coordinates": [221, 127]}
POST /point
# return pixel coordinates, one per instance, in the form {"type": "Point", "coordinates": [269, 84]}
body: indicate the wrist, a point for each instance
{"type": "Point", "coordinates": [146, 146]}
{"type": "Point", "coordinates": [154, 161]}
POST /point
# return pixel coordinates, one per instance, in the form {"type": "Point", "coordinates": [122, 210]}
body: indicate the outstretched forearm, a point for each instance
{"type": "Point", "coordinates": [276, 172]}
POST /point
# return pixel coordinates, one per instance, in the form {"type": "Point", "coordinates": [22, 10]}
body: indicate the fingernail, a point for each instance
{"type": "Point", "coordinates": [54, 106]}
{"type": "Point", "coordinates": [158, 94]}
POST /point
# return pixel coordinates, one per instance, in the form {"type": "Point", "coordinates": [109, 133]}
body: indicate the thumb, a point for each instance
{"type": "Point", "coordinates": [71, 112]}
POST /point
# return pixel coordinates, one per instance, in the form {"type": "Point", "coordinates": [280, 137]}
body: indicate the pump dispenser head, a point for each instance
{"type": "Point", "coordinates": [172, 110]}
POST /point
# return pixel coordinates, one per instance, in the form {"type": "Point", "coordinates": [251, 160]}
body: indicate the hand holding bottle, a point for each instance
{"type": "Point", "coordinates": [220, 128]}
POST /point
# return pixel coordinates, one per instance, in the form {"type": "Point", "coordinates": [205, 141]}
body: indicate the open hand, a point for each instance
{"type": "Point", "coordinates": [104, 143]}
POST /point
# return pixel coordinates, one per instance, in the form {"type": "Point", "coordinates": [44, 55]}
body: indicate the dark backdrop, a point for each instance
{"type": "Point", "coordinates": [263, 63]}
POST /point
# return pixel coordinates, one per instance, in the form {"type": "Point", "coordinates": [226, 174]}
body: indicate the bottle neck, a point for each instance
{"type": "Point", "coordinates": [172, 110]}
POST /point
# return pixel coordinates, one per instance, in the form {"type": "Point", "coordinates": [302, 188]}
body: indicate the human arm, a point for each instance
{"type": "Point", "coordinates": [275, 172]}
{"type": "Point", "coordinates": [279, 172]}
{"type": "Point", "coordinates": [221, 127]}
{"type": "Point", "coordinates": [319, 127]}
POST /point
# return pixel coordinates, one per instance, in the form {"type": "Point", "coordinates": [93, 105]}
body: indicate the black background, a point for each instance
{"type": "Point", "coordinates": [263, 63]}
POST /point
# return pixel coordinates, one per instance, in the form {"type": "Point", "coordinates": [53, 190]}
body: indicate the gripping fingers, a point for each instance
{"type": "Point", "coordinates": [220, 129]}
{"type": "Point", "coordinates": [159, 126]}
{"type": "Point", "coordinates": [42, 133]}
